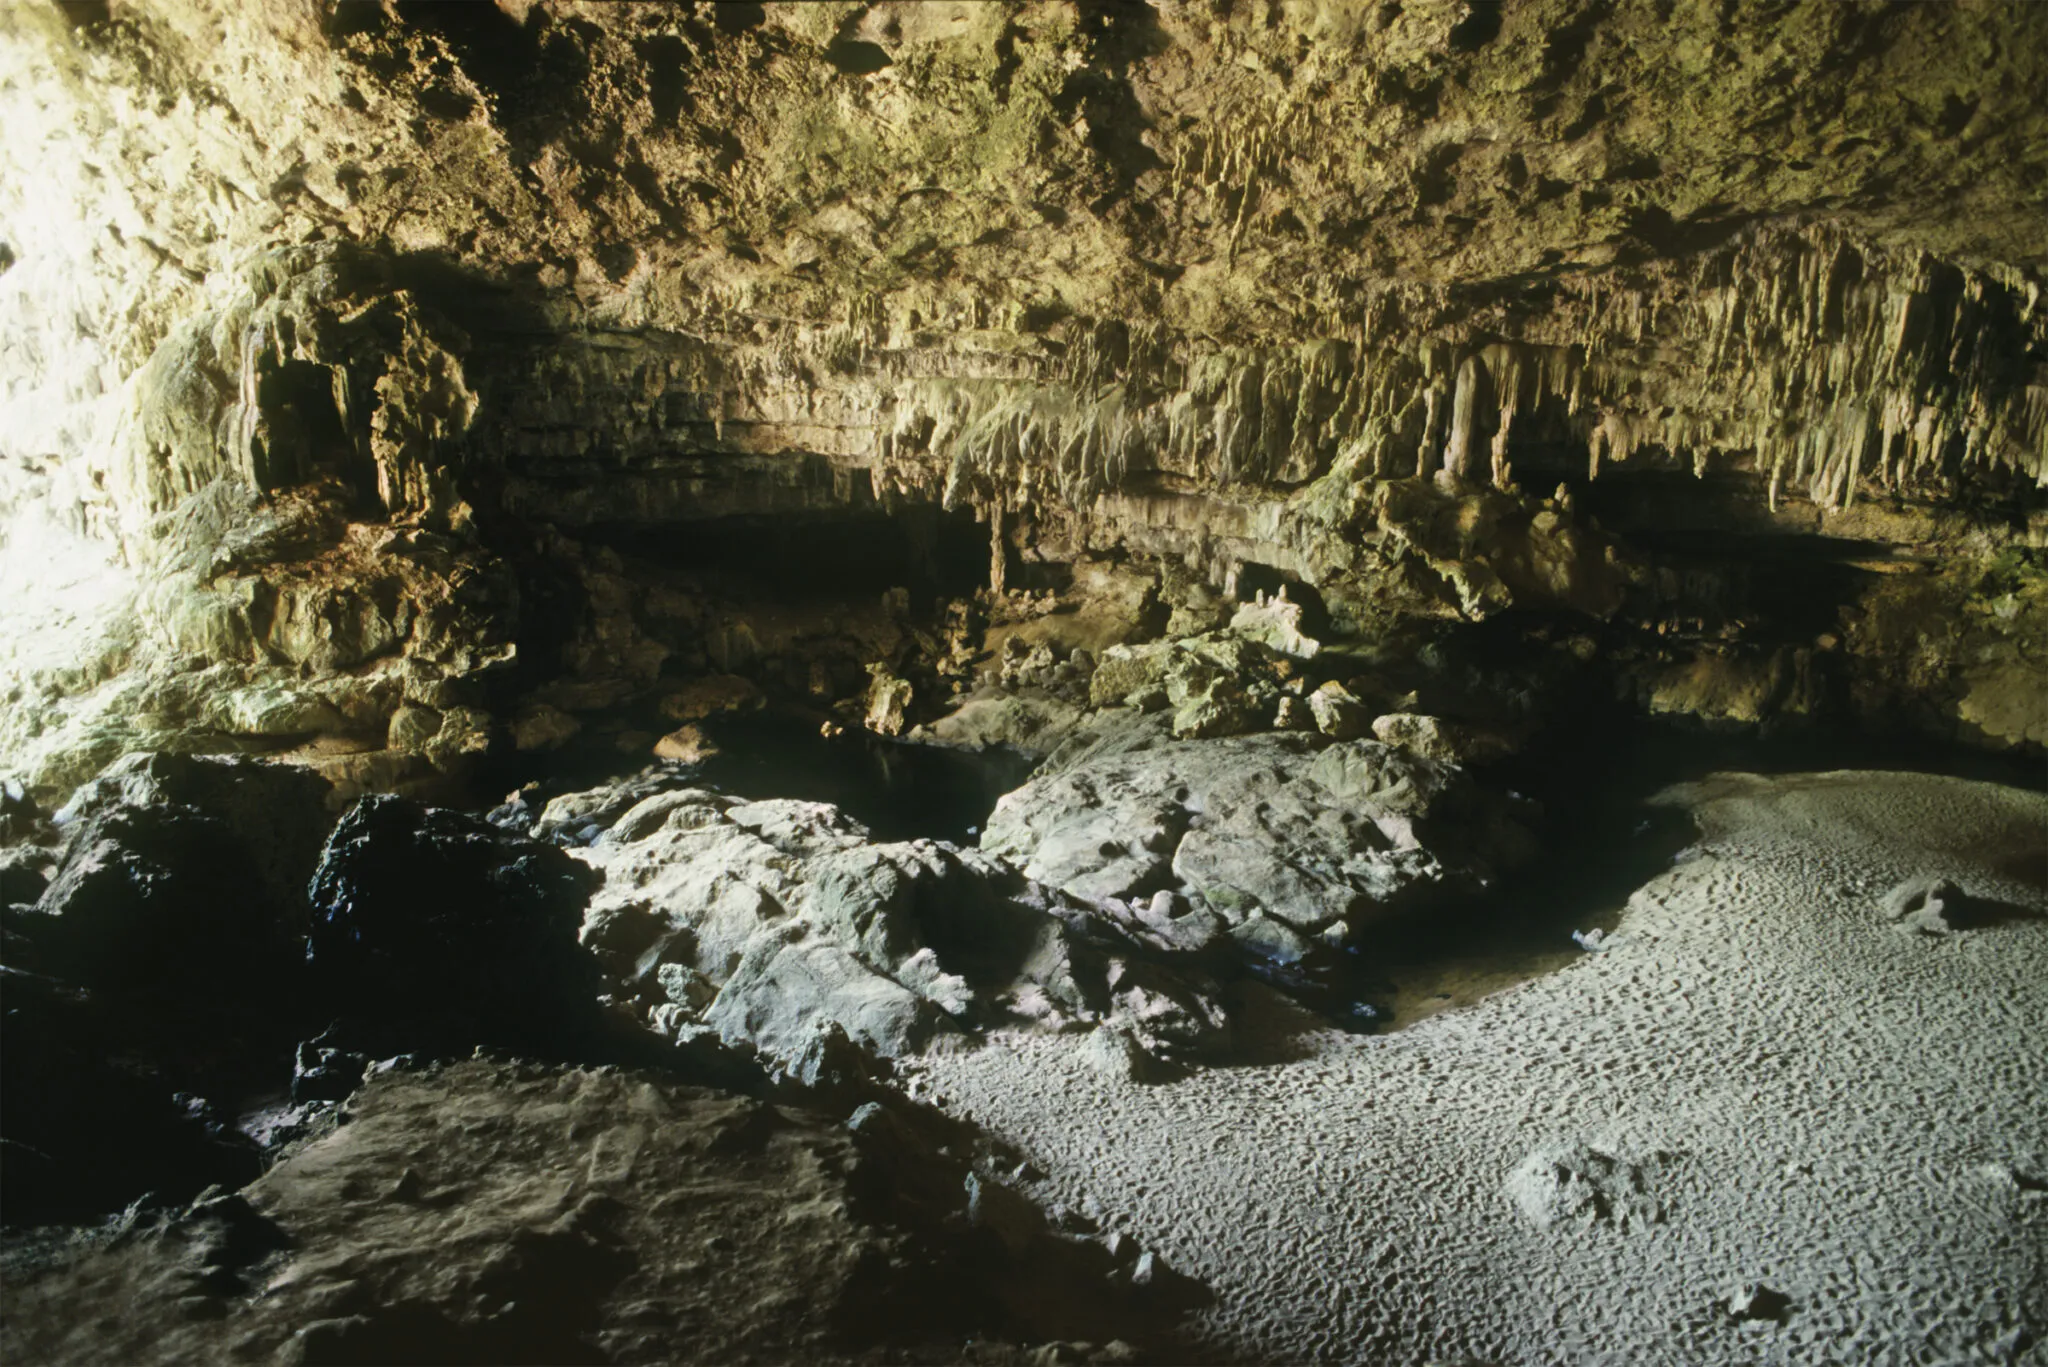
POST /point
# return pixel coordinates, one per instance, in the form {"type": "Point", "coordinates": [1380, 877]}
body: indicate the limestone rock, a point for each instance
{"type": "Point", "coordinates": [278, 813]}
{"type": "Point", "coordinates": [888, 700]}
{"type": "Point", "coordinates": [541, 727]}
{"type": "Point", "coordinates": [1266, 825]}
{"type": "Point", "coordinates": [605, 1212]}
{"type": "Point", "coordinates": [685, 745]}
{"type": "Point", "coordinates": [711, 695]}
{"type": "Point", "coordinates": [1565, 1183]}
{"type": "Point", "coordinates": [1337, 713]}
{"type": "Point", "coordinates": [1446, 742]}
{"type": "Point", "coordinates": [798, 923]}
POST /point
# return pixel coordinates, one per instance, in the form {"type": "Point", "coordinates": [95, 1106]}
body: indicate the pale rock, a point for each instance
{"type": "Point", "coordinates": [1338, 713]}
{"type": "Point", "coordinates": [888, 701]}
{"type": "Point", "coordinates": [685, 745]}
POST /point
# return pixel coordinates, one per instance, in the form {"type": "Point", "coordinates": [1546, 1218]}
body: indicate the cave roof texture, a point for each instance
{"type": "Point", "coordinates": [612, 264]}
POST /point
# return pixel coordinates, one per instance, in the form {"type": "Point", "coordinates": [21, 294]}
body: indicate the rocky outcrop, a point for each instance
{"type": "Point", "coordinates": [536, 1214]}
{"type": "Point", "coordinates": [433, 929]}
{"type": "Point", "coordinates": [779, 926]}
{"type": "Point", "coordinates": [153, 981]}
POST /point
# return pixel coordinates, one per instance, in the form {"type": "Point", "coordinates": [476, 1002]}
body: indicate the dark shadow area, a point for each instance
{"type": "Point", "coordinates": [852, 57]}
{"type": "Point", "coordinates": [81, 13]}
{"type": "Point", "coordinates": [899, 790]}
{"type": "Point", "coordinates": [737, 16]}
{"type": "Point", "coordinates": [857, 553]}
{"type": "Point", "coordinates": [1480, 26]}
{"type": "Point", "coordinates": [1119, 35]}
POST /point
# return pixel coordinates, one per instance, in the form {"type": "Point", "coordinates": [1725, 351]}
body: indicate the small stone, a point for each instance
{"type": "Point", "coordinates": [1757, 1302]}
{"type": "Point", "coordinates": [685, 745]}
{"type": "Point", "coordinates": [1920, 893]}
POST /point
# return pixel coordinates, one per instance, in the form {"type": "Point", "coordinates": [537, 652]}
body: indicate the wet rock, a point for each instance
{"type": "Point", "coordinates": [427, 915]}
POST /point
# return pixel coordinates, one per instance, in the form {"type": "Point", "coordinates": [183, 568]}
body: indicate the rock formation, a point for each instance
{"type": "Point", "coordinates": [394, 385]}
{"type": "Point", "coordinates": [822, 572]}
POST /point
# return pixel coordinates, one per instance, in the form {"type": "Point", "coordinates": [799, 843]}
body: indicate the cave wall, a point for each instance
{"type": "Point", "coordinates": [355, 354]}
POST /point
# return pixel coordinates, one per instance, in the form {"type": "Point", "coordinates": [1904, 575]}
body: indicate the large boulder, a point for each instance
{"type": "Point", "coordinates": [277, 813]}
{"type": "Point", "coordinates": [1321, 839]}
{"type": "Point", "coordinates": [93, 1114]}
{"type": "Point", "coordinates": [160, 901]}
{"type": "Point", "coordinates": [159, 966]}
{"type": "Point", "coordinates": [463, 931]}
{"type": "Point", "coordinates": [1218, 684]}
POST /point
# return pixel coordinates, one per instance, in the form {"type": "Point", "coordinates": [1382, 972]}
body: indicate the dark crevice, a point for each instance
{"type": "Point", "coordinates": [84, 13]}
{"type": "Point", "coordinates": [854, 57]}
{"type": "Point", "coordinates": [737, 16]}
{"type": "Point", "coordinates": [1480, 26]}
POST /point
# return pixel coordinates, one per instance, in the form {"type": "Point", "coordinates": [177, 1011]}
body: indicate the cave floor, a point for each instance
{"type": "Point", "coordinates": [1766, 1124]}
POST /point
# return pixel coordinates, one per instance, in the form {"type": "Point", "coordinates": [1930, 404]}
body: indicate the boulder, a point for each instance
{"type": "Point", "coordinates": [88, 1121]}
{"type": "Point", "coordinates": [1564, 1182]}
{"type": "Point", "coordinates": [1275, 826]}
{"type": "Point", "coordinates": [1446, 742]}
{"type": "Point", "coordinates": [427, 915]}
{"type": "Point", "coordinates": [1337, 713]}
{"type": "Point", "coordinates": [277, 813]}
{"type": "Point", "coordinates": [1218, 684]}
{"type": "Point", "coordinates": [161, 901]}
{"type": "Point", "coordinates": [792, 981]}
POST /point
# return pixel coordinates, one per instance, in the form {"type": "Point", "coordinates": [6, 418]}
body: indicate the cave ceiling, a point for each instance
{"type": "Point", "coordinates": [385, 296]}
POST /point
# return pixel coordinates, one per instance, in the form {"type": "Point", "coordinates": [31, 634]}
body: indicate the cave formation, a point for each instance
{"type": "Point", "coordinates": [1064, 681]}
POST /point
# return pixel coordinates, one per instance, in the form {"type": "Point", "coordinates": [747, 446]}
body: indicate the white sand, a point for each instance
{"type": "Point", "coordinates": [1850, 1113]}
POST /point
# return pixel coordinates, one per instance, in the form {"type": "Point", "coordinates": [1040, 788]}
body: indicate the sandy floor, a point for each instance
{"type": "Point", "coordinates": [1763, 1081]}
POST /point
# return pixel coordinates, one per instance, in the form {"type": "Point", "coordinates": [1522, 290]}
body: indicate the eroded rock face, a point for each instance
{"type": "Point", "coordinates": [444, 925]}
{"type": "Point", "coordinates": [372, 366]}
